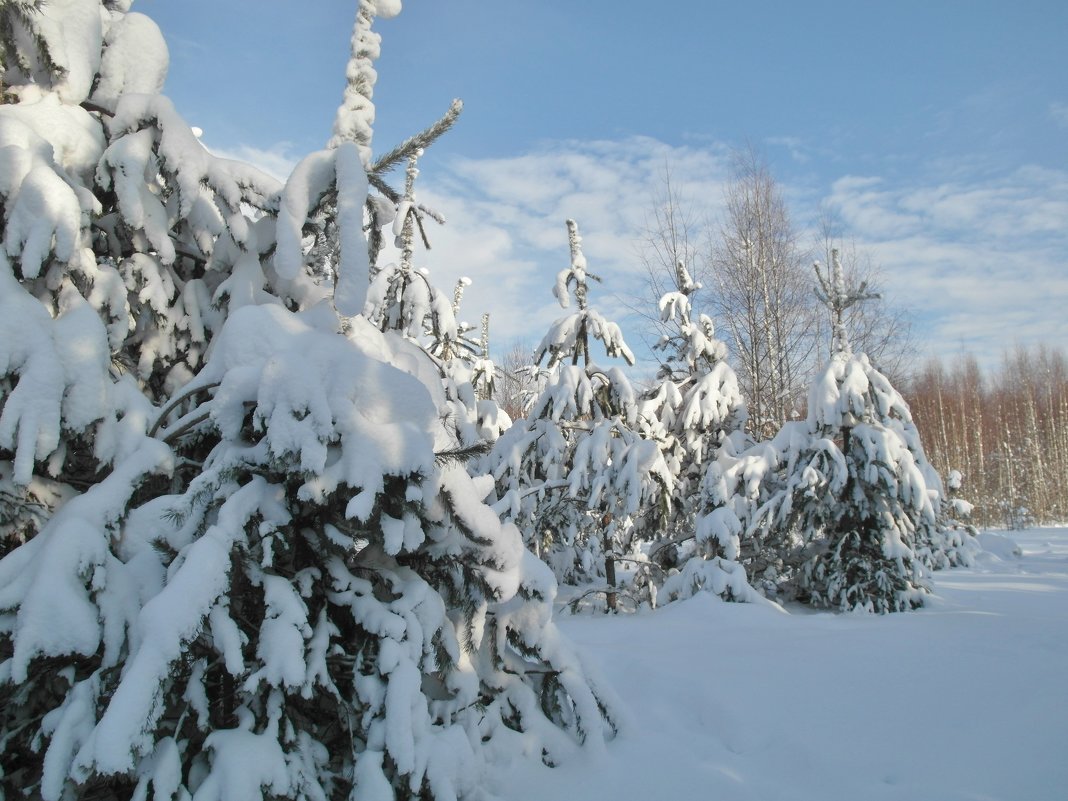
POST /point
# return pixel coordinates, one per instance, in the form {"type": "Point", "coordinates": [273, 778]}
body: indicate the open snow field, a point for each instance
{"type": "Point", "coordinates": [964, 699]}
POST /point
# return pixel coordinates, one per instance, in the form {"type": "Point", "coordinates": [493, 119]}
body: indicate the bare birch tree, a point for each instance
{"type": "Point", "coordinates": [517, 381]}
{"type": "Point", "coordinates": [762, 294]}
{"type": "Point", "coordinates": [1006, 432]}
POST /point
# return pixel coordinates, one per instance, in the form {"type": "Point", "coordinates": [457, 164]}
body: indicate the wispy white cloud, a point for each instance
{"type": "Point", "coordinates": [794, 146]}
{"type": "Point", "coordinates": [506, 218]}
{"type": "Point", "coordinates": [984, 262]}
{"type": "Point", "coordinates": [982, 259]}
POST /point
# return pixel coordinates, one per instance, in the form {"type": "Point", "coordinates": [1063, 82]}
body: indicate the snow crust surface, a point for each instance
{"type": "Point", "coordinates": [963, 699]}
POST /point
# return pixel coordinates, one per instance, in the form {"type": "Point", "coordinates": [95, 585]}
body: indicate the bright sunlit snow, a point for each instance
{"type": "Point", "coordinates": [964, 699]}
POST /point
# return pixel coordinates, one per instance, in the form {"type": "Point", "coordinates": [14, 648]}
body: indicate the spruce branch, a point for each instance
{"type": "Point", "coordinates": [15, 14]}
{"type": "Point", "coordinates": [407, 236]}
{"type": "Point", "coordinates": [92, 106]}
{"type": "Point", "coordinates": [374, 236]}
{"type": "Point", "coordinates": [458, 294]}
{"type": "Point", "coordinates": [175, 403]}
{"type": "Point", "coordinates": [419, 141]}
{"type": "Point", "coordinates": [172, 436]}
{"type": "Point", "coordinates": [621, 592]}
{"type": "Point", "coordinates": [422, 230]}
{"type": "Point", "coordinates": [395, 197]}
{"type": "Point", "coordinates": [461, 455]}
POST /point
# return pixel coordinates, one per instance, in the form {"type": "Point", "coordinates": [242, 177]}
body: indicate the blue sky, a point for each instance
{"type": "Point", "coordinates": [937, 131]}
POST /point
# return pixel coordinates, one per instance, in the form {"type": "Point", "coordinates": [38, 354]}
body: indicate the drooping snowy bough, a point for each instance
{"type": "Point", "coordinates": [236, 566]}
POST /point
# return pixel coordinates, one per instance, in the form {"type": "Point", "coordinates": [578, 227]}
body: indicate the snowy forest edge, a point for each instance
{"type": "Point", "coordinates": [266, 528]}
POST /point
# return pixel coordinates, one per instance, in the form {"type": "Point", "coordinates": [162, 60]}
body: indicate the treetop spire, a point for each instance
{"type": "Point", "coordinates": [836, 296]}
{"type": "Point", "coordinates": [574, 274]}
{"type": "Point", "coordinates": [356, 114]}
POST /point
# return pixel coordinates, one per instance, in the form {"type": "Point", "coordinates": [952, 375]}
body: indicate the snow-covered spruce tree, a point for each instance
{"type": "Point", "coordinates": [403, 301]}
{"type": "Point", "coordinates": [256, 579]}
{"type": "Point", "coordinates": [955, 543]}
{"type": "Point", "coordinates": [123, 241]}
{"type": "Point", "coordinates": [485, 371]}
{"type": "Point", "coordinates": [691, 411]}
{"type": "Point", "coordinates": [575, 474]}
{"type": "Point", "coordinates": [855, 490]}
{"type": "Point", "coordinates": [491, 419]}
{"type": "Point", "coordinates": [955, 507]}
{"type": "Point", "coordinates": [732, 552]}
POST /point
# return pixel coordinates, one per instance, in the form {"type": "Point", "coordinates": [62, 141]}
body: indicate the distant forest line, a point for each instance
{"type": "Point", "coordinates": [1005, 430]}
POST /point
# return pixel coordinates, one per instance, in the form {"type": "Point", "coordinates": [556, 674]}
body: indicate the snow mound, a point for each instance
{"type": "Point", "coordinates": [997, 548]}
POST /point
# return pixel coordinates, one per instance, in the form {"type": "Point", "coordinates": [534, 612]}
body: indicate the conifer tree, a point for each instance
{"type": "Point", "coordinates": [247, 571]}
{"type": "Point", "coordinates": [854, 490]}
{"type": "Point", "coordinates": [955, 543]}
{"type": "Point", "coordinates": [576, 473]}
{"type": "Point", "coordinates": [732, 497]}
{"type": "Point", "coordinates": [403, 301]}
{"type": "Point", "coordinates": [693, 412]}
{"type": "Point", "coordinates": [695, 406]}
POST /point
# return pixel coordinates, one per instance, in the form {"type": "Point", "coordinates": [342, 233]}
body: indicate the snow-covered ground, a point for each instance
{"type": "Point", "coordinates": [965, 699]}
